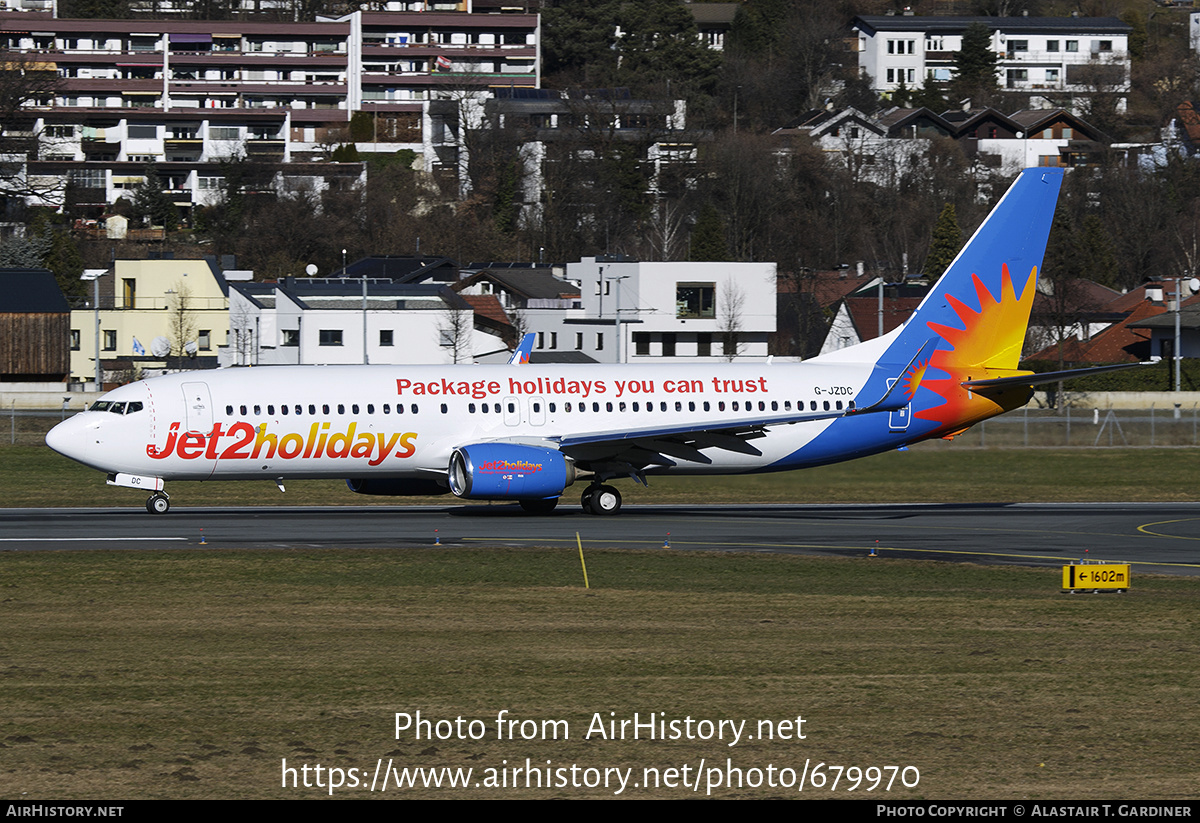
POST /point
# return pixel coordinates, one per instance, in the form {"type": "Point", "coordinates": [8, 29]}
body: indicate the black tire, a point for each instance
{"type": "Point", "coordinates": [585, 499]}
{"type": "Point", "coordinates": [158, 504]}
{"type": "Point", "coordinates": [606, 500]}
{"type": "Point", "coordinates": [544, 506]}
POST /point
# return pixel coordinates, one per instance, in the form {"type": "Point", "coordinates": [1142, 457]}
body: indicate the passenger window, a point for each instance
{"type": "Point", "coordinates": [720, 405]}
{"type": "Point", "coordinates": [312, 408]}
{"type": "Point", "coordinates": [774, 405]}
{"type": "Point", "coordinates": [354, 409]}
{"type": "Point", "coordinates": [735, 406]}
{"type": "Point", "coordinates": [812, 405]}
{"type": "Point", "coordinates": [413, 407]}
{"type": "Point", "coordinates": [839, 405]}
{"type": "Point", "coordinates": [243, 410]}
{"type": "Point", "coordinates": [826, 405]}
{"type": "Point", "coordinates": [595, 407]}
{"type": "Point", "coordinates": [566, 407]}
{"type": "Point", "coordinates": [471, 408]}
{"type": "Point", "coordinates": [257, 410]}
{"type": "Point", "coordinates": [229, 411]}
{"type": "Point", "coordinates": [678, 406]}
{"type": "Point", "coordinates": [691, 405]}
{"type": "Point", "coordinates": [271, 408]}
{"type": "Point", "coordinates": [443, 408]}
{"type": "Point", "coordinates": [283, 409]}
{"type": "Point", "coordinates": [662, 406]}
{"type": "Point", "coordinates": [537, 407]}
{"type": "Point", "coordinates": [512, 407]}
{"type": "Point", "coordinates": [341, 408]}
{"type": "Point", "coordinates": [387, 408]}
{"type": "Point", "coordinates": [608, 406]}
{"type": "Point", "coordinates": [324, 408]}
{"type": "Point", "coordinates": [552, 408]}
{"type": "Point", "coordinates": [707, 406]}
{"type": "Point", "coordinates": [370, 408]}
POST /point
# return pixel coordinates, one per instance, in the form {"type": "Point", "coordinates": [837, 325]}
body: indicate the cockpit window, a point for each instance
{"type": "Point", "coordinates": [116, 408]}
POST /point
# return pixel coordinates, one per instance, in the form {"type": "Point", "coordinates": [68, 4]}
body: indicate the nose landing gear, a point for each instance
{"type": "Point", "coordinates": [158, 503]}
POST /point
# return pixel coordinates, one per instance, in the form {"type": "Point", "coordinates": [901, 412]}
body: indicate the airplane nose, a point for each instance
{"type": "Point", "coordinates": [68, 438]}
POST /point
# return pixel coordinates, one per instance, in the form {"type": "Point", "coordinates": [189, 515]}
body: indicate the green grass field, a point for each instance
{"type": "Point", "coordinates": [195, 674]}
{"type": "Point", "coordinates": [935, 472]}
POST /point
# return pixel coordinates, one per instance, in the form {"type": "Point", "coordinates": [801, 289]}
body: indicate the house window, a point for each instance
{"type": "Point", "coordinates": [1051, 75]}
{"type": "Point", "coordinates": [1051, 45]}
{"type": "Point", "coordinates": [641, 342]}
{"type": "Point", "coordinates": [291, 337]}
{"type": "Point", "coordinates": [204, 339]}
{"type": "Point", "coordinates": [695, 300]}
{"type": "Point", "coordinates": [578, 341]}
{"type": "Point", "coordinates": [668, 345]}
{"type": "Point", "coordinates": [331, 337]}
{"type": "Point", "coordinates": [599, 341]}
{"type": "Point", "coordinates": [1072, 45]}
{"type": "Point", "coordinates": [1104, 45]}
{"type": "Point", "coordinates": [1017, 45]}
{"type": "Point", "coordinates": [74, 339]}
{"type": "Point", "coordinates": [704, 345]}
{"type": "Point", "coordinates": [110, 340]}
{"type": "Point", "coordinates": [385, 337]}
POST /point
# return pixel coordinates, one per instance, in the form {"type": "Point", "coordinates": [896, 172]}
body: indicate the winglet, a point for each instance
{"type": "Point", "coordinates": [914, 368]}
{"type": "Point", "coordinates": [522, 351]}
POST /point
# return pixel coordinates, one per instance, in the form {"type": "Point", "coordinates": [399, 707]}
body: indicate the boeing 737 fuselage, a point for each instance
{"type": "Point", "coordinates": [526, 432]}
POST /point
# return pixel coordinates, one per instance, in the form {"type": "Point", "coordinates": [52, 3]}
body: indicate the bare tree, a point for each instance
{"type": "Point", "coordinates": [457, 330]}
{"type": "Point", "coordinates": [24, 83]}
{"type": "Point", "coordinates": [182, 325]}
{"type": "Point", "coordinates": [733, 301]}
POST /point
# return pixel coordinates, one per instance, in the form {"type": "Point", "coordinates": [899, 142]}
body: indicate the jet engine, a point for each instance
{"type": "Point", "coordinates": [509, 471]}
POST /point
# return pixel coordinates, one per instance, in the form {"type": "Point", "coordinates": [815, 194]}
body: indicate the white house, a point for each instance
{"type": "Point", "coordinates": [303, 321]}
{"type": "Point", "coordinates": [690, 312]}
{"type": "Point", "coordinates": [1079, 55]}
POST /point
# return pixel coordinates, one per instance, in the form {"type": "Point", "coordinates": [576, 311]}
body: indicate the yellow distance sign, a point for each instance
{"type": "Point", "coordinates": [1096, 576]}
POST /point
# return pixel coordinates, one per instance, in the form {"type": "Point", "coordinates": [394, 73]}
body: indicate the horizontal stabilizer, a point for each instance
{"type": "Point", "coordinates": [1034, 379]}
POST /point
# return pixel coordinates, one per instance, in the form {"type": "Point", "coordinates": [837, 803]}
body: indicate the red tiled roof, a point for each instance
{"type": "Point", "coordinates": [864, 313]}
{"type": "Point", "coordinates": [487, 305]}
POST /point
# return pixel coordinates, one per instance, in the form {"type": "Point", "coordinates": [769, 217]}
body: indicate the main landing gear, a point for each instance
{"type": "Point", "coordinates": [158, 503]}
{"type": "Point", "coordinates": [601, 499]}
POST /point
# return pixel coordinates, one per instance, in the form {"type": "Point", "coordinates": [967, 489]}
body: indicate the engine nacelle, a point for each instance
{"type": "Point", "coordinates": [509, 471]}
{"type": "Point", "coordinates": [395, 486]}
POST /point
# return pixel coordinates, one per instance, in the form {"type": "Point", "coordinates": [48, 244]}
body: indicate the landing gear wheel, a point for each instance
{"type": "Point", "coordinates": [544, 506]}
{"type": "Point", "coordinates": [585, 499]}
{"type": "Point", "coordinates": [604, 500]}
{"type": "Point", "coordinates": [158, 503]}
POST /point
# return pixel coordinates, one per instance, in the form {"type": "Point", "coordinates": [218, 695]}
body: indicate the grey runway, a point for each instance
{"type": "Point", "coordinates": [1157, 538]}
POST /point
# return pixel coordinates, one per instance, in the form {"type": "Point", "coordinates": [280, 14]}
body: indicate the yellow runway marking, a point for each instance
{"type": "Point", "coordinates": [776, 546]}
{"type": "Point", "coordinates": [1146, 529]}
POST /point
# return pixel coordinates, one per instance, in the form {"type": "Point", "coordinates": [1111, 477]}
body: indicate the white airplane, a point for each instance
{"type": "Point", "coordinates": [526, 432]}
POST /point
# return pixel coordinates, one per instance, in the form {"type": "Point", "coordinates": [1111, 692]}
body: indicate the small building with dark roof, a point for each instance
{"type": "Point", "coordinates": [35, 328]}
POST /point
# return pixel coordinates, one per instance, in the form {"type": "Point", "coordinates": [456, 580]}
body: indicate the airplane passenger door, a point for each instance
{"type": "Point", "coordinates": [537, 411]}
{"type": "Point", "coordinates": [512, 411]}
{"type": "Point", "coordinates": [898, 420]}
{"type": "Point", "coordinates": [198, 406]}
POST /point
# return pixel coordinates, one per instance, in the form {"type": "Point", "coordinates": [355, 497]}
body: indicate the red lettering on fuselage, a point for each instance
{"type": "Point", "coordinates": [245, 442]}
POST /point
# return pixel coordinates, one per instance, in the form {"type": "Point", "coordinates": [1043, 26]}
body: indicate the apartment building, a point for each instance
{"type": "Point", "coordinates": [169, 92]}
{"type": "Point", "coordinates": [1079, 55]}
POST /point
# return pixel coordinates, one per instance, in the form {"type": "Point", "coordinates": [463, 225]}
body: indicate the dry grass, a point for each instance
{"type": "Point", "coordinates": [192, 675]}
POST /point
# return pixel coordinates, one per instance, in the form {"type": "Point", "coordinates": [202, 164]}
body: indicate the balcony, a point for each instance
{"type": "Point", "coordinates": [265, 149]}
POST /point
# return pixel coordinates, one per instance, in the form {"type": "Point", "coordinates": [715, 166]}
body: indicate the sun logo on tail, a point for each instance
{"type": "Point", "coordinates": [990, 338]}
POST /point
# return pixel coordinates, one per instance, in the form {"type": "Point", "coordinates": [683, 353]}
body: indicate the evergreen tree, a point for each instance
{"type": "Point", "coordinates": [975, 63]}
{"type": "Point", "coordinates": [708, 237]}
{"type": "Point", "coordinates": [1096, 253]}
{"type": "Point", "coordinates": [152, 204]}
{"type": "Point", "coordinates": [946, 241]}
